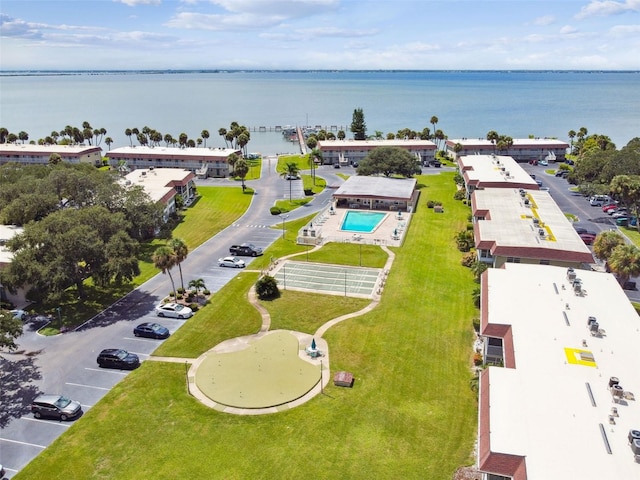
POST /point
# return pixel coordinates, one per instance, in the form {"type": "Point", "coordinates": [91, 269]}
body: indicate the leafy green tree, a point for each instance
{"type": "Point", "coordinates": [180, 253]}
{"type": "Point", "coordinates": [605, 243]}
{"type": "Point", "coordinates": [10, 329]}
{"type": "Point", "coordinates": [3, 134]}
{"type": "Point", "coordinates": [241, 170]}
{"type": "Point", "coordinates": [267, 288]}
{"type": "Point", "coordinates": [164, 260]}
{"type": "Point", "coordinates": [341, 135]}
{"type": "Point", "coordinates": [389, 161]}
{"type": "Point", "coordinates": [358, 125]}
{"type": "Point", "coordinates": [55, 159]}
{"type": "Point", "coordinates": [312, 142]}
{"type": "Point", "coordinates": [66, 248]}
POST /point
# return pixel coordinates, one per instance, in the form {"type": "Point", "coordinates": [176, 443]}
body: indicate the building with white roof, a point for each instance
{"type": "Point", "coordinates": [344, 152]}
{"type": "Point", "coordinates": [377, 193]}
{"type": "Point", "coordinates": [524, 226]}
{"type": "Point", "coordinates": [205, 162]}
{"type": "Point", "coordinates": [553, 411]}
{"type": "Point", "coordinates": [522, 149]}
{"type": "Point", "coordinates": [31, 154]}
{"type": "Point", "coordinates": [7, 232]}
{"type": "Point", "coordinates": [493, 171]}
{"type": "Point", "coordinates": [164, 184]}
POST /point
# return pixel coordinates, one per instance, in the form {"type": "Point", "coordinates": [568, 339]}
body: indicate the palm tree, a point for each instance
{"type": "Point", "coordinates": [180, 252]}
{"type": "Point", "coordinates": [605, 243]}
{"type": "Point", "coordinates": [128, 133]}
{"type": "Point", "coordinates": [197, 284]}
{"type": "Point", "coordinates": [205, 134]}
{"type": "Point", "coordinates": [572, 135]}
{"type": "Point", "coordinates": [625, 262]}
{"type": "Point", "coordinates": [108, 141]}
{"type": "Point", "coordinates": [223, 133]}
{"type": "Point", "coordinates": [434, 121]}
{"type": "Point", "coordinates": [164, 259]}
{"type": "Point", "coordinates": [24, 136]}
{"type": "Point", "coordinates": [315, 155]}
{"type": "Point", "coordinates": [241, 170]}
{"type": "Point", "coordinates": [232, 160]}
{"type": "Point", "coordinates": [291, 171]}
{"type": "Point", "coordinates": [493, 137]}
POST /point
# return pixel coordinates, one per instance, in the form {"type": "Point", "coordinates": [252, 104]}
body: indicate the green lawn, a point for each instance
{"type": "Point", "coordinates": [411, 413]}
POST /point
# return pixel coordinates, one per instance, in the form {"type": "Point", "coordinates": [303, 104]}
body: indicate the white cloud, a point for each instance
{"type": "Point", "coordinates": [133, 3]}
{"type": "Point", "coordinates": [608, 7]}
{"type": "Point", "coordinates": [568, 29]}
{"type": "Point", "coordinates": [624, 30]}
{"type": "Point", "coordinates": [285, 8]}
{"type": "Point", "coordinates": [198, 21]}
{"type": "Point", "coordinates": [545, 20]}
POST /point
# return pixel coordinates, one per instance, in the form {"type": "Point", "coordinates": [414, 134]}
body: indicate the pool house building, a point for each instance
{"type": "Point", "coordinates": [377, 193]}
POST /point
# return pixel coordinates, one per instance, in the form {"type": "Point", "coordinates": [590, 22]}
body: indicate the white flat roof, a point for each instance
{"type": "Point", "coordinates": [494, 169]}
{"type": "Point", "coordinates": [517, 142]}
{"type": "Point", "coordinates": [542, 408]}
{"type": "Point", "coordinates": [512, 222]}
{"type": "Point", "coordinates": [383, 187]}
{"type": "Point", "coordinates": [350, 143]}
{"type": "Point", "coordinates": [214, 152]}
{"type": "Point", "coordinates": [46, 149]}
{"type": "Point", "coordinates": [156, 181]}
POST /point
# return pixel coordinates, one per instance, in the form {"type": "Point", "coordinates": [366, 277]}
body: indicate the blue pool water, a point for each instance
{"type": "Point", "coordinates": [363, 222]}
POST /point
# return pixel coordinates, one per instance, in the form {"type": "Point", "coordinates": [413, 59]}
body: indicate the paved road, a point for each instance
{"type": "Point", "coordinates": [66, 363]}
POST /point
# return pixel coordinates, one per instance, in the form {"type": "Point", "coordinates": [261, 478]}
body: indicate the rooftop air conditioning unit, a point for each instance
{"type": "Point", "coordinates": [536, 221]}
{"type": "Point", "coordinates": [571, 273]}
{"type": "Point", "coordinates": [507, 173]}
{"type": "Point", "coordinates": [541, 232]}
{"type": "Point", "coordinates": [634, 435]}
{"type": "Point", "coordinates": [635, 446]}
{"type": "Point", "coordinates": [590, 321]}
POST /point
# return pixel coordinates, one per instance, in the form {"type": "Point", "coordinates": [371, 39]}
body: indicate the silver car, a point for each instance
{"type": "Point", "coordinates": [233, 262]}
{"type": "Point", "coordinates": [55, 406]}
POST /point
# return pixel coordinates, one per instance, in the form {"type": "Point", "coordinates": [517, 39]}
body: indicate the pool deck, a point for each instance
{"type": "Point", "coordinates": [325, 227]}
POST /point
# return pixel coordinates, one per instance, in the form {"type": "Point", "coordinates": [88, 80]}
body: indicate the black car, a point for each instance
{"type": "Point", "coordinates": [55, 406]}
{"type": "Point", "coordinates": [118, 358]}
{"type": "Point", "coordinates": [151, 330]}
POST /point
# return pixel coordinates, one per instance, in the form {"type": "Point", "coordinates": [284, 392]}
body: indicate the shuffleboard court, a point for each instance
{"type": "Point", "coordinates": [327, 278]}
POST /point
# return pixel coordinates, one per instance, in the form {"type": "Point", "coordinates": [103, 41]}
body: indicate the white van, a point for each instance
{"type": "Point", "coordinates": [599, 200]}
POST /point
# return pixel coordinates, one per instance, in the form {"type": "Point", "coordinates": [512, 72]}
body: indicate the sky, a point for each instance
{"type": "Point", "coordinates": [320, 34]}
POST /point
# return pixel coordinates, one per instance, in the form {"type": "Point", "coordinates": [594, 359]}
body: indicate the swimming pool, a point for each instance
{"type": "Point", "coordinates": [362, 222]}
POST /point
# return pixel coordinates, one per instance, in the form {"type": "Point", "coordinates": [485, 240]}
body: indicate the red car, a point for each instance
{"type": "Point", "coordinates": [588, 237]}
{"type": "Point", "coordinates": [609, 206]}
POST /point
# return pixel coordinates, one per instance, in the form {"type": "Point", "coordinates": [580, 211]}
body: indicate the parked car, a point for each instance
{"type": "Point", "coordinates": [118, 358]}
{"type": "Point", "coordinates": [599, 200]}
{"type": "Point", "coordinates": [233, 262]}
{"type": "Point", "coordinates": [19, 314]}
{"type": "Point", "coordinates": [619, 213]}
{"type": "Point", "coordinates": [354, 164]}
{"type": "Point", "coordinates": [292, 177]}
{"type": "Point", "coordinates": [175, 310]}
{"type": "Point", "coordinates": [246, 249]}
{"type": "Point", "coordinates": [151, 330]}
{"type": "Point", "coordinates": [336, 165]}
{"type": "Point", "coordinates": [55, 406]}
{"type": "Point", "coordinates": [580, 230]}
{"type": "Point", "coordinates": [609, 206]}
{"type": "Point", "coordinates": [543, 162]}
{"type": "Point", "coordinates": [588, 237]}
{"type": "Point", "coordinates": [569, 162]}
{"type": "Point", "coordinates": [630, 285]}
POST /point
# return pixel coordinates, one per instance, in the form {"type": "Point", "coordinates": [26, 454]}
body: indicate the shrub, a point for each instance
{"type": "Point", "coordinates": [194, 306]}
{"type": "Point", "coordinates": [430, 203]}
{"type": "Point", "coordinates": [477, 359]}
{"type": "Point", "coordinates": [206, 292]}
{"type": "Point", "coordinates": [275, 211]}
{"type": "Point", "coordinates": [460, 195]}
{"type": "Point", "coordinates": [468, 259]}
{"type": "Point", "coordinates": [267, 288]}
{"type": "Point", "coordinates": [180, 291]}
{"type": "Point", "coordinates": [476, 324]}
{"type": "Point", "coordinates": [464, 240]}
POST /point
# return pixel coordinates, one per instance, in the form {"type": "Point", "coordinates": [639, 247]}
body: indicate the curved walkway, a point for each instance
{"type": "Point", "coordinates": [240, 343]}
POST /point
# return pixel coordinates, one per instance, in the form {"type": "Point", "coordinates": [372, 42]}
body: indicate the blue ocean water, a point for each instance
{"type": "Point", "coordinates": [467, 103]}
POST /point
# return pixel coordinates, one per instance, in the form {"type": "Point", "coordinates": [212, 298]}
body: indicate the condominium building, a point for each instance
{"type": "Point", "coordinates": [345, 152]}
{"type": "Point", "coordinates": [522, 149]}
{"type": "Point", "coordinates": [31, 154]}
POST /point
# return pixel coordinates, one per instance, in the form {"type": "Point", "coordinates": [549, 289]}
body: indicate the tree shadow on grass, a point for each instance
{"type": "Point", "coordinates": [17, 390]}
